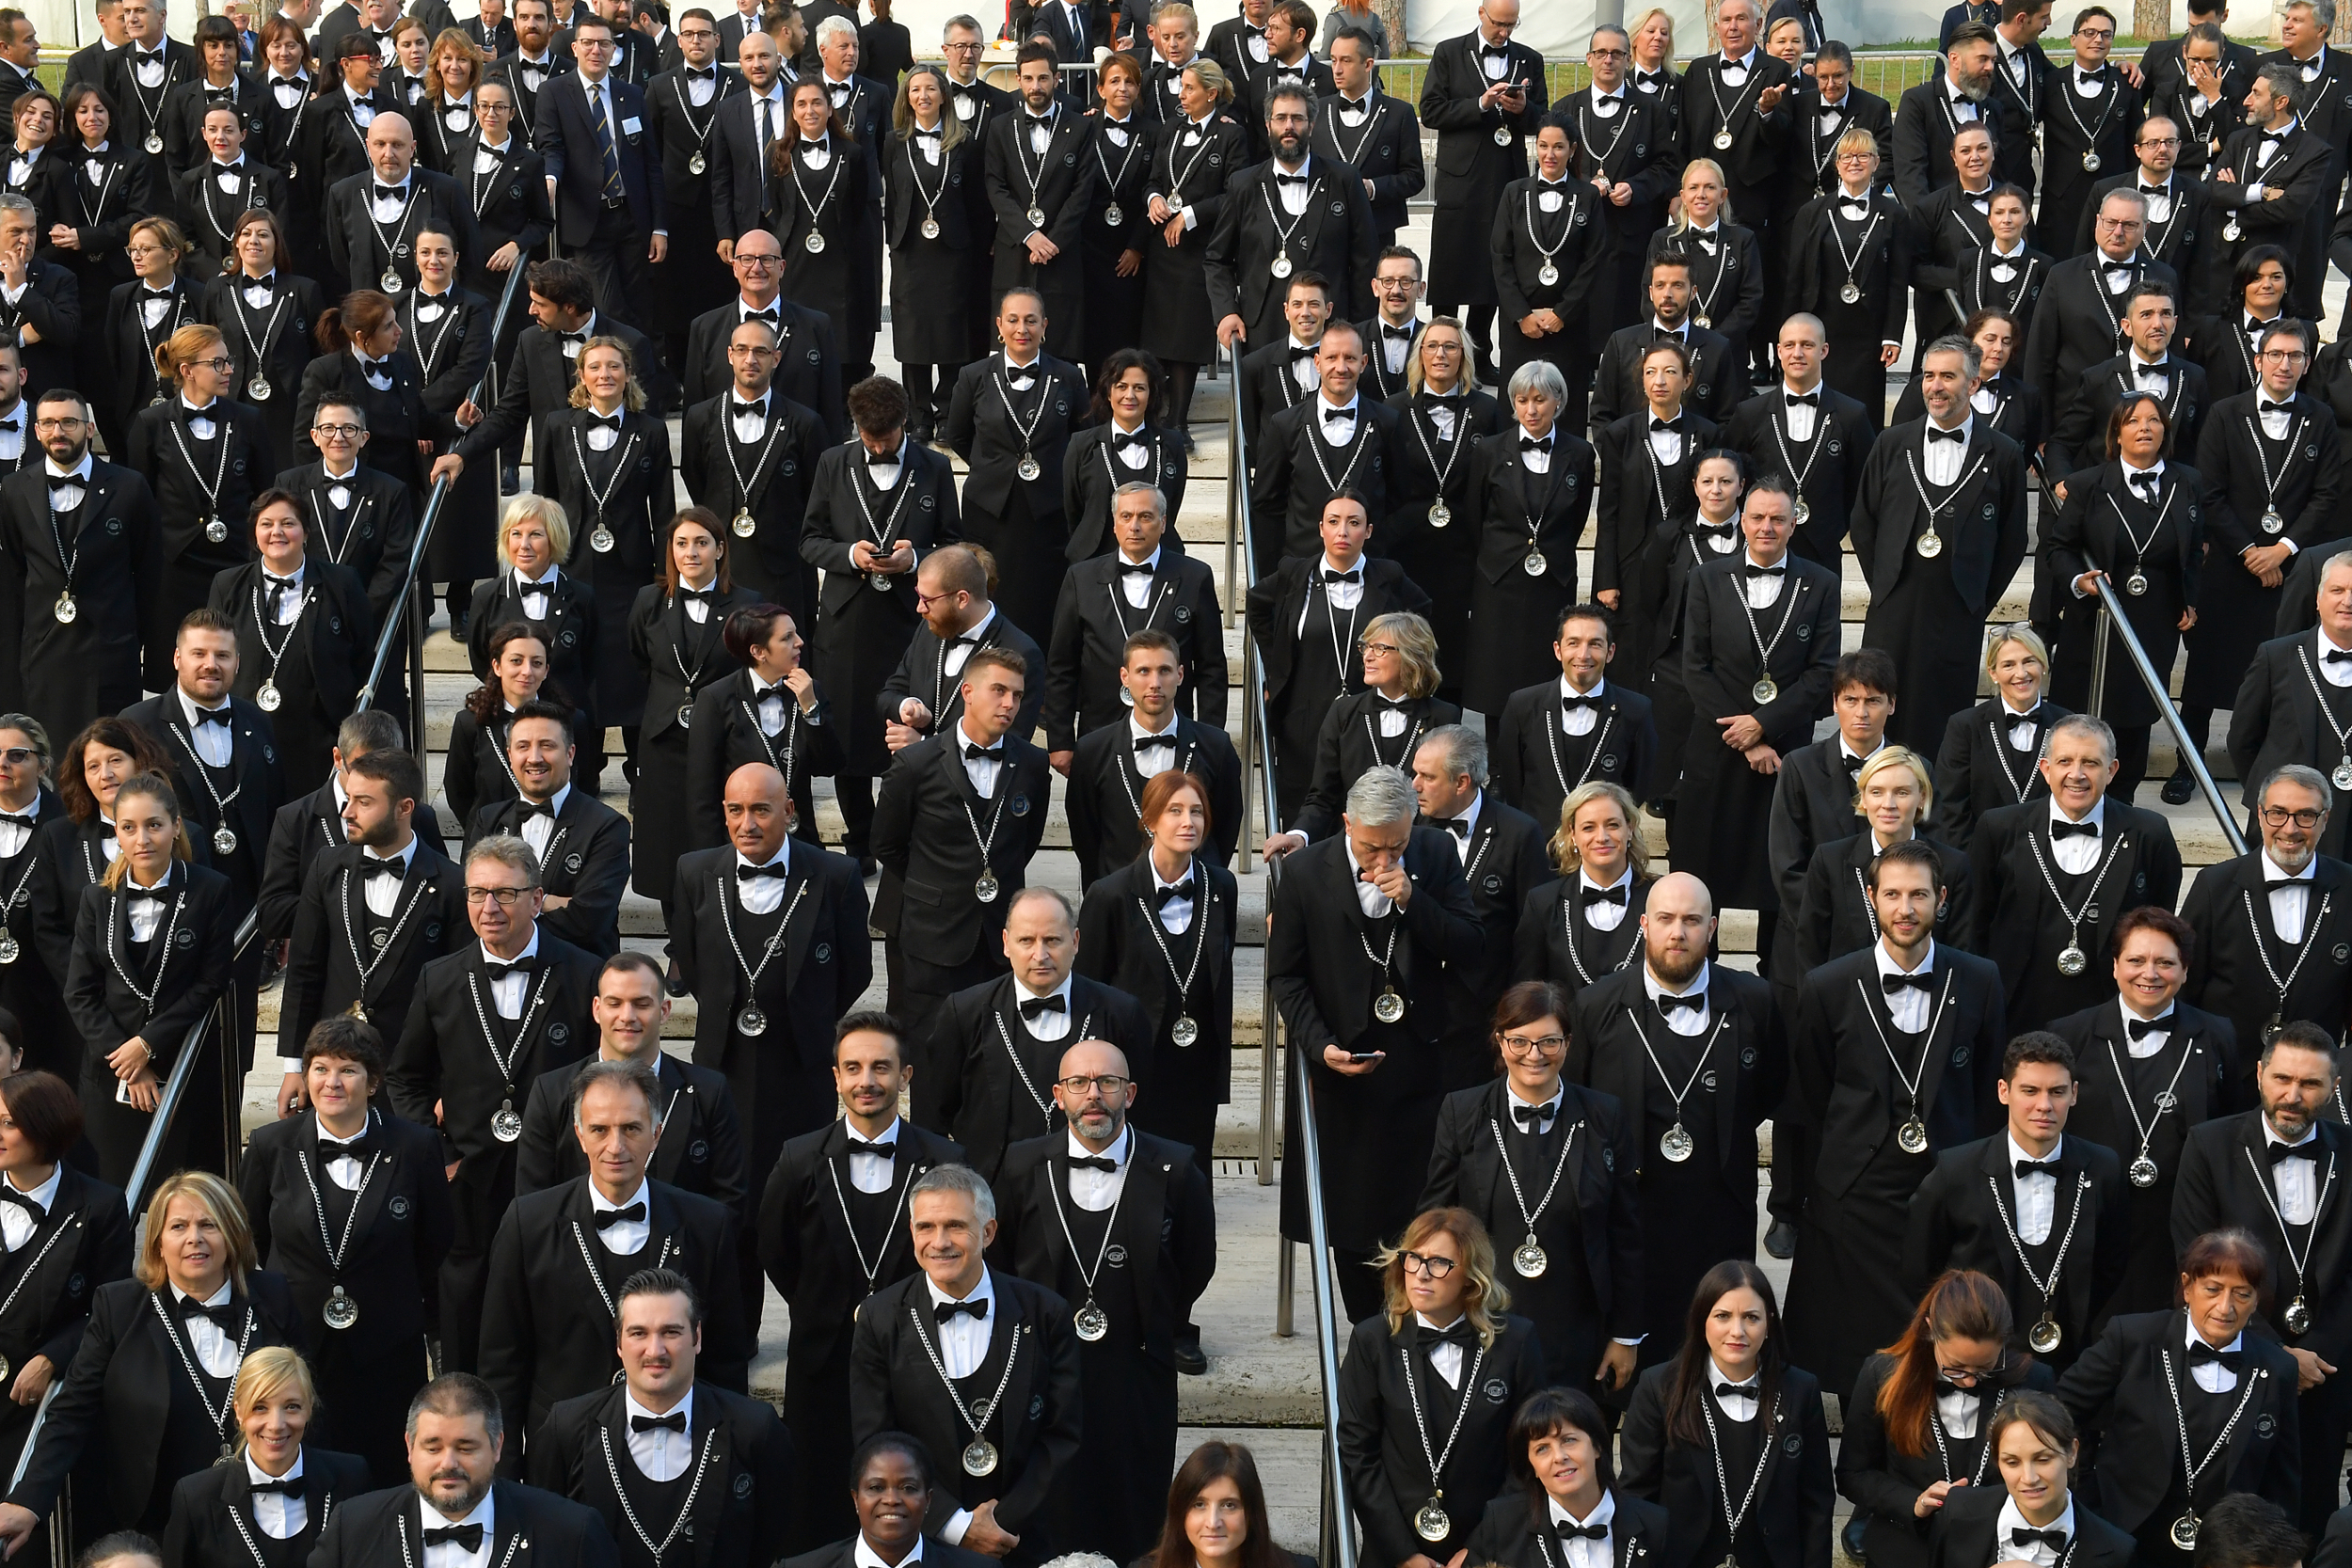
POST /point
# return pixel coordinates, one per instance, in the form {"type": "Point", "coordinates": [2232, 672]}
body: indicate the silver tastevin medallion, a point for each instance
{"type": "Point", "coordinates": [153, 143]}
{"type": "Point", "coordinates": [2274, 523]}
{"type": "Point", "coordinates": [2342, 777]}
{"type": "Point", "coordinates": [1113, 214]}
{"type": "Point", "coordinates": [66, 609]}
{"type": "Point", "coordinates": [979, 1457]}
{"type": "Point", "coordinates": [1851, 293]}
{"type": "Point", "coordinates": [269, 698]}
{"type": "Point", "coordinates": [1029, 467]}
{"type": "Point", "coordinates": [2091, 163]}
{"type": "Point", "coordinates": [1439, 514]}
{"type": "Point", "coordinates": [697, 163]}
{"type": "Point", "coordinates": [2071, 960]}
{"type": "Point", "coordinates": [2184, 1532]}
{"type": "Point", "coordinates": [391, 281]}
{"type": "Point", "coordinates": [1281, 267]}
{"type": "Point", "coordinates": [224, 840]}
{"type": "Point", "coordinates": [1536, 563]}
{"type": "Point", "coordinates": [1092, 1323]}
{"type": "Point", "coordinates": [815, 245]}
{"type": "Point", "coordinates": [10, 950]}
{"type": "Point", "coordinates": [1182, 1033]}
{"type": "Point", "coordinates": [340, 1311]}
{"type": "Point", "coordinates": [258, 389]}
{"type": "Point", "coordinates": [1036, 215]}
{"type": "Point", "coordinates": [2143, 1172]}
{"type": "Point", "coordinates": [1530, 1260]}
{"type": "Point", "coordinates": [750, 1023]}
{"type": "Point", "coordinates": [1722, 141]}
{"type": "Point", "coordinates": [1912, 1137]}
{"type": "Point", "coordinates": [215, 529]}
{"type": "Point", "coordinates": [2045, 1334]}
{"type": "Point", "coordinates": [1548, 275]}
{"type": "Point", "coordinates": [1431, 1523]}
{"type": "Point", "coordinates": [2136, 585]}
{"type": "Point", "coordinates": [745, 525]}
{"type": "Point", "coordinates": [1389, 1006]}
{"type": "Point", "coordinates": [506, 1125]}
{"type": "Point", "coordinates": [987, 887]}
{"type": "Point", "coordinates": [1765, 690]}
{"type": "Point", "coordinates": [1930, 544]}
{"type": "Point", "coordinates": [1803, 513]}
{"type": "Point", "coordinates": [601, 541]}
{"type": "Point", "coordinates": [2298, 1316]}
{"type": "Point", "coordinates": [1676, 1142]}
{"type": "Point", "coordinates": [930, 228]}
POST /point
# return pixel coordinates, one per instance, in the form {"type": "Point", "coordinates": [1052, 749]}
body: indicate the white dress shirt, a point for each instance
{"type": "Point", "coordinates": [1665, 444]}
{"type": "Point", "coordinates": [2036, 1195]}
{"type": "Point", "coordinates": [1800, 416]}
{"type": "Point", "coordinates": [1343, 596]}
{"type": "Point", "coordinates": [1176, 914]}
{"type": "Point", "coordinates": [1579, 721]}
{"type": "Point", "coordinates": [1682, 1021]}
{"type": "Point", "coordinates": [1578, 1551]}
{"type": "Point", "coordinates": [338, 481]}
{"type": "Point", "coordinates": [1302, 371]}
{"type": "Point", "coordinates": [864, 1556]}
{"type": "Point", "coordinates": [281, 1518]}
{"type": "Point", "coordinates": [538, 828]}
{"type": "Point", "coordinates": [964, 1338]}
{"type": "Point", "coordinates": [2039, 1553]}
{"type": "Point", "coordinates": [959, 651]}
{"type": "Point", "coordinates": [1135, 587]}
{"type": "Point", "coordinates": [2290, 898]}
{"type": "Point", "coordinates": [1607, 917]}
{"type": "Point", "coordinates": [2338, 673]}
{"type": "Point", "coordinates": [1908, 1006]}
{"type": "Point", "coordinates": [2276, 417]}
{"type": "Point", "coordinates": [2078, 852]}
{"type": "Point", "coordinates": [1051, 1026]}
{"type": "Point", "coordinates": [2149, 1044]}
{"type": "Point", "coordinates": [1445, 1358]}
{"type": "Point", "coordinates": [15, 835]}
{"type": "Point", "coordinates": [625, 1237]}
{"type": "Point", "coordinates": [1369, 897]}
{"type": "Point", "coordinates": [1959, 1412]}
{"type": "Point", "coordinates": [2296, 1181]}
{"type": "Point", "coordinates": [661, 1454]}
{"type": "Point", "coordinates": [1160, 755]}
{"type": "Point", "coordinates": [982, 771]}
{"type": "Point", "coordinates": [216, 1351]}
{"type": "Point", "coordinates": [1293, 197]}
{"type": "Point", "coordinates": [1468, 817]}
{"type": "Point", "coordinates": [288, 603]}
{"type": "Point", "coordinates": [145, 906]}
{"type": "Point", "coordinates": [2212, 1376]}
{"type": "Point", "coordinates": [762, 895]}
{"type": "Point", "coordinates": [1336, 432]}
{"type": "Point", "coordinates": [873, 1173]}
{"type": "Point", "coordinates": [768, 702]}
{"type": "Point", "coordinates": [508, 995]}
{"type": "Point", "coordinates": [214, 742]}
{"type": "Point", "coordinates": [382, 894]}
{"type": "Point", "coordinates": [2023, 737]}
{"type": "Point", "coordinates": [1740, 1406]}
{"type": "Point", "coordinates": [1764, 591]}
{"type": "Point", "coordinates": [448, 1556]}
{"type": "Point", "coordinates": [1940, 463]}
{"type": "Point", "coordinates": [1097, 1189]}
{"type": "Point", "coordinates": [16, 1223]}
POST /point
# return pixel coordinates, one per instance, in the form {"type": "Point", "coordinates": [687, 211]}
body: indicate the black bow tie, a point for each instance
{"type": "Point", "coordinates": [1667, 427]}
{"type": "Point", "coordinates": [2338, 656]}
{"type": "Point", "coordinates": [1148, 743]}
{"type": "Point", "coordinates": [465, 1538]}
{"type": "Point", "coordinates": [1620, 895]}
{"type": "Point", "coordinates": [1529, 443]}
{"type": "Point", "coordinates": [527, 965]}
{"type": "Point", "coordinates": [1033, 1006]}
{"type": "Point", "coordinates": [1582, 1533]}
{"type": "Point", "coordinates": [370, 866]}
{"type": "Point", "coordinates": [674, 1422]}
{"type": "Point", "coordinates": [983, 753]}
{"type": "Point", "coordinates": [1290, 179]}
{"type": "Point", "coordinates": [1336, 415]}
{"type": "Point", "coordinates": [1754, 571]}
{"type": "Point", "coordinates": [1396, 334]}
{"type": "Point", "coordinates": [220, 95]}
{"type": "Point", "coordinates": [358, 1148]}
{"type": "Point", "coordinates": [879, 1152]}
{"type": "Point", "coordinates": [2062, 829]}
{"type": "Point", "coordinates": [573, 337]}
{"type": "Point", "coordinates": [709, 73]}
{"type": "Point", "coordinates": [214, 715]}
{"type": "Point", "coordinates": [606, 1218]}
{"type": "Point", "coordinates": [25, 822]}
{"type": "Point", "coordinates": [1803, 400]}
{"type": "Point", "coordinates": [1531, 1118]}
{"type": "Point", "coordinates": [390, 193]}
{"type": "Point", "coordinates": [1642, 76]}
{"type": "Point", "coordinates": [2036, 1167]}
{"type": "Point", "coordinates": [1354, 575]}
{"type": "Point", "coordinates": [526, 810]}
{"type": "Point", "coordinates": [291, 1486]}
{"type": "Point", "coordinates": [977, 1306]}
{"type": "Point", "coordinates": [2140, 1028]}
{"type": "Point", "coordinates": [1739, 1391]}
{"type": "Point", "coordinates": [1456, 1333]}
{"type": "Point", "coordinates": [1695, 1001]}
{"type": "Point", "coordinates": [2054, 1539]}
{"type": "Point", "coordinates": [1102, 1163]}
{"type": "Point", "coordinates": [2269, 408]}
{"type": "Point", "coordinates": [882, 459]}
{"type": "Point", "coordinates": [2200, 1351]}
{"type": "Point", "coordinates": [10, 1195]}
{"type": "Point", "coordinates": [1495, 51]}
{"type": "Point", "coordinates": [149, 291]}
{"type": "Point", "coordinates": [608, 422]}
{"type": "Point", "coordinates": [1922, 981]}
{"type": "Point", "coordinates": [1716, 530]}
{"type": "Point", "coordinates": [1935, 435]}
{"type": "Point", "coordinates": [748, 411]}
{"type": "Point", "coordinates": [1588, 702]}
{"type": "Point", "coordinates": [228, 1317]}
{"type": "Point", "coordinates": [1121, 440]}
{"type": "Point", "coordinates": [1161, 897]}
{"type": "Point", "coordinates": [780, 872]}
{"type": "Point", "coordinates": [2306, 1151]}
{"type": "Point", "coordinates": [1298, 354]}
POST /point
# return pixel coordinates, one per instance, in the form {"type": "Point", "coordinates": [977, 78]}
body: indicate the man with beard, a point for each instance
{"type": "Point", "coordinates": [1716, 381]}
{"type": "Point", "coordinates": [1893, 1055]}
{"type": "Point", "coordinates": [2180, 206]}
{"type": "Point", "coordinates": [741, 133]}
{"type": "Point", "coordinates": [1324, 226]}
{"type": "Point", "coordinates": [455, 1434]}
{"type": "Point", "coordinates": [1929, 116]}
{"type": "Point", "coordinates": [1628, 145]}
{"type": "Point", "coordinates": [533, 65]}
{"type": "Point", "coordinates": [1041, 182]}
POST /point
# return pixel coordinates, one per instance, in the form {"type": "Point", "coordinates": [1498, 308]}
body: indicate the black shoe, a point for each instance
{"type": "Point", "coordinates": [2179, 789]}
{"type": "Point", "coordinates": [1190, 1360]}
{"type": "Point", "coordinates": [458, 620]}
{"type": "Point", "coordinates": [510, 478]}
{"type": "Point", "coordinates": [869, 867]}
{"type": "Point", "coordinates": [1781, 1239]}
{"type": "Point", "coordinates": [1851, 1538]}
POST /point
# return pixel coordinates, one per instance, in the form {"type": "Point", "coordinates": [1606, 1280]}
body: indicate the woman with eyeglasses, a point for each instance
{"type": "Point", "coordinates": [2035, 1515]}
{"type": "Point", "coordinates": [506, 181]}
{"type": "Point", "coordinates": [2151, 1374]}
{"type": "Point", "coordinates": [29, 988]}
{"type": "Point", "coordinates": [475, 771]}
{"type": "Point", "coordinates": [267, 1507]}
{"type": "Point", "coordinates": [1570, 1221]}
{"type": "Point", "coordinates": [1420, 1432]}
{"type": "Point", "coordinates": [2140, 519]}
{"type": "Point", "coordinates": [1730, 1406]}
{"type": "Point", "coordinates": [1568, 1511]}
{"type": "Point", "coordinates": [1850, 266]}
{"type": "Point", "coordinates": [206, 457]}
{"type": "Point", "coordinates": [96, 187]}
{"type": "Point", "coordinates": [936, 221]}
{"type": "Point", "coordinates": [1991, 752]}
{"type": "Point", "coordinates": [1586, 925]}
{"type": "Point", "coordinates": [1893, 797]}
{"type": "Point", "coordinates": [767, 708]}
{"type": "Point", "coordinates": [266, 310]}
{"type": "Point", "coordinates": [140, 317]}
{"type": "Point", "coordinates": [1917, 1425]}
{"type": "Point", "coordinates": [1381, 726]}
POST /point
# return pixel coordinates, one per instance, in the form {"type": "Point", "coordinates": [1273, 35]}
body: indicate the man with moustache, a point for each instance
{"type": "Point", "coordinates": [1281, 373]}
{"type": "Point", "coordinates": [1392, 333]}
{"type": "Point", "coordinates": [1893, 1055]}
{"type": "Point", "coordinates": [306, 827]}
{"type": "Point", "coordinates": [1502, 850]}
{"type": "Point", "coordinates": [807, 368]}
{"type": "Point", "coordinates": [664, 1450]}
{"type": "Point", "coordinates": [1109, 766]}
{"type": "Point", "coordinates": [1717, 380]}
{"type": "Point", "coordinates": [2291, 709]}
{"type": "Point", "coordinates": [1117, 1221]}
{"type": "Point", "coordinates": [1326, 226]}
{"type": "Point", "coordinates": [1647, 1035]}
{"type": "Point", "coordinates": [977, 1363]}
{"type": "Point", "coordinates": [583, 843]}
{"type": "Point", "coordinates": [1602, 730]}
{"type": "Point", "coordinates": [1928, 118]}
{"type": "Point", "coordinates": [2150, 313]}
{"type": "Point", "coordinates": [836, 1198]}
{"type": "Point", "coordinates": [456, 1436]}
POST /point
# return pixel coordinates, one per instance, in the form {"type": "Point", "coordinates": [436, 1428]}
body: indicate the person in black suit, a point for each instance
{"type": "Point", "coordinates": [1191, 164]}
{"type": "Point", "coordinates": [746, 453]}
{"type": "Point", "coordinates": [2180, 211]}
{"type": "Point", "coordinates": [1145, 584]}
{"type": "Point", "coordinates": [2079, 319]}
{"type": "Point", "coordinates": [139, 317]}
{"type": "Point", "coordinates": [1713, 370]}
{"type": "Point", "coordinates": [221, 1514]}
{"type": "Point", "coordinates": [373, 215]}
{"type": "Point", "coordinates": [2152, 1373]}
{"type": "Point", "coordinates": [2049, 879]}
{"type": "Point", "coordinates": [1558, 1450]}
{"type": "Point", "coordinates": [1585, 926]}
{"type": "Point", "coordinates": [1868, 1121]}
{"type": "Point", "coordinates": [741, 201]}
{"type": "Point", "coordinates": [2270, 179]}
{"type": "Point", "coordinates": [1604, 733]}
{"type": "Point", "coordinates": [351, 1206]}
{"type": "Point", "coordinates": [1129, 442]}
{"type": "Point", "coordinates": [1641, 1038]}
{"type": "Point", "coordinates": [1989, 755]}
{"type": "Point", "coordinates": [936, 218]}
{"type": "Point", "coordinates": [1929, 117]}
{"type": "Point", "coordinates": [1331, 233]}
{"type": "Point", "coordinates": [2034, 1516]}
{"type": "Point", "coordinates": [582, 842]}
{"type": "Point", "coordinates": [605, 173]}
{"type": "Point", "coordinates": [2085, 133]}
{"type": "Point", "coordinates": [308, 823]}
{"type": "Point", "coordinates": [768, 710]}
{"type": "Point", "coordinates": [725, 1473]}
{"type": "Point", "coordinates": [148, 1397]}
{"type": "Point", "coordinates": [1392, 333]}
{"type": "Point", "coordinates": [2245, 910]}
{"type": "Point", "coordinates": [928, 1351]}
{"type": "Point", "coordinates": [1730, 1398]}
{"type": "Point", "coordinates": [1891, 795]}
{"type": "Point", "coordinates": [1364, 925]}
{"type": "Point", "coordinates": [1342, 439]}
{"type": "Point", "coordinates": [550, 1309]}
{"type": "Point", "coordinates": [1057, 1224]}
{"type": "Point", "coordinates": [1809, 433]}
{"type": "Point", "coordinates": [1282, 375]}
{"type": "Point", "coordinates": [937, 933]}
{"type": "Point", "coordinates": [891, 1484]}
{"type": "Point", "coordinates": [361, 366]}
{"type": "Point", "coordinates": [216, 191]}
{"type": "Point", "coordinates": [268, 313]}
{"type": "Point", "coordinates": [807, 369]}
{"type": "Point", "coordinates": [1357, 126]}
{"type": "Point", "coordinates": [2283, 1202]}
{"type": "Point", "coordinates": [2151, 316]}
{"type": "Point", "coordinates": [1011, 420]}
{"type": "Point", "coordinates": [139, 80]}
{"type": "Point", "coordinates": [456, 1436]}
{"type": "Point", "coordinates": [1111, 768]}
{"type": "Point", "coordinates": [455, 1068]}
{"type": "Point", "coordinates": [1040, 185]}
{"type": "Point", "coordinates": [921, 696]}
{"type": "Point", "coordinates": [2058, 1250]}
{"type": "Point", "coordinates": [1415, 1478]}
{"type": "Point", "coordinates": [389, 878]}
{"type": "Point", "coordinates": [1483, 94]}
{"type": "Point", "coordinates": [1380, 726]}
{"type": "Point", "coordinates": [1503, 856]}
{"type": "Point", "coordinates": [835, 1199]}
{"type": "Point", "coordinates": [1969, 247]}
{"type": "Point", "coordinates": [1628, 141]}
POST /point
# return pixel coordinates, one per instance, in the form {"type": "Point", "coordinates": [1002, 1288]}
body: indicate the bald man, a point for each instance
{"type": "Point", "coordinates": [1130, 1248]}
{"type": "Point", "coordinates": [1727, 1058]}
{"type": "Point", "coordinates": [770, 939]}
{"type": "Point", "coordinates": [371, 217]}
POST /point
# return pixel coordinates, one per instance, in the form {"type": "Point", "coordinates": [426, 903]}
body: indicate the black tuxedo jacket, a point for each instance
{"type": "Point", "coordinates": [354, 242]}
{"type": "Point", "coordinates": [397, 418]}
{"type": "Point", "coordinates": [331, 922]}
{"type": "Point", "coordinates": [778, 471]}
{"type": "Point", "coordinates": [1267, 386]}
{"type": "Point", "coordinates": [2226, 1180]}
{"type": "Point", "coordinates": [2012, 919]}
{"type": "Point", "coordinates": [1606, 1055]}
{"type": "Point", "coordinates": [1348, 741]}
{"type": "Point", "coordinates": [1726, 275]}
{"type": "Point", "coordinates": [922, 838]}
{"type": "Point", "coordinates": [52, 305]}
{"type": "Point", "coordinates": [1835, 917]}
{"type": "Point", "coordinates": [1102, 799]}
{"type": "Point", "coordinates": [186, 977]}
{"type": "Point", "coordinates": [808, 369]}
{"type": "Point", "coordinates": [1962, 1216]}
{"type": "Point", "coordinates": [1759, 141]}
{"type": "Point", "coordinates": [701, 1149]}
{"type": "Point", "coordinates": [2277, 719]}
{"type": "Point", "coordinates": [2122, 1390]}
{"type": "Point", "coordinates": [1118, 948]}
{"type": "Point", "coordinates": [1812, 805]}
{"type": "Point", "coordinates": [987, 1099]}
{"type": "Point", "coordinates": [1466, 1168]}
{"type": "Point", "coordinates": [587, 862]}
{"type": "Point", "coordinates": [2301, 168]}
{"type": "Point", "coordinates": [1503, 863]}
{"type": "Point", "coordinates": [83, 1241]}
{"type": "Point", "coordinates": [1718, 380]}
{"type": "Point", "coordinates": [2181, 241]}
{"type": "Point", "coordinates": [211, 212]}
{"type": "Point", "coordinates": [741, 1477]}
{"type": "Point", "coordinates": [2229, 909]}
{"type": "Point", "coordinates": [1090, 478]}
{"type": "Point", "coordinates": [1964, 1533]}
{"type": "Point", "coordinates": [1792, 1501]}
{"type": "Point", "coordinates": [1977, 771]}
{"type": "Point", "coordinates": [1537, 765]}
{"type": "Point", "coordinates": [1092, 621]}
{"type": "Point", "coordinates": [547, 1322]}
{"type": "Point", "coordinates": [120, 1383]}
{"type": "Point", "coordinates": [1721, 663]}
{"type": "Point", "coordinates": [1555, 941]}
{"type": "Point", "coordinates": [532, 1529]}
{"type": "Point", "coordinates": [1315, 964]}
{"type": "Point", "coordinates": [1384, 147]}
{"type": "Point", "coordinates": [2232, 451]}
{"type": "Point", "coordinates": [443, 1058]}
{"type": "Point", "coordinates": [739, 193]}
{"type": "Point", "coordinates": [987, 436]}
{"type": "Point", "coordinates": [894, 1386]}
{"type": "Point", "coordinates": [2204, 1089]}
{"type": "Point", "coordinates": [922, 673]}
{"type": "Point", "coordinates": [843, 1553]}
{"type": "Point", "coordinates": [1334, 236]}
{"type": "Point", "coordinates": [259, 781]}
{"type": "Point", "coordinates": [562, 122]}
{"type": "Point", "coordinates": [1842, 438]}
{"type": "Point", "coordinates": [825, 964]}
{"type": "Point", "coordinates": [1859, 109]}
{"type": "Point", "coordinates": [1517, 1534]}
{"type": "Point", "coordinates": [2075, 324]}
{"type": "Point", "coordinates": [1288, 482]}
{"type": "Point", "coordinates": [2079, 441]}
{"type": "Point", "coordinates": [1277, 601]}
{"type": "Point", "coordinates": [1064, 187]}
{"type": "Point", "coordinates": [537, 380]}
{"type": "Point", "coordinates": [401, 1227]}
{"type": "Point", "coordinates": [682, 129]}
{"type": "Point", "coordinates": [337, 640]}
{"type": "Point", "coordinates": [1981, 554]}
{"type": "Point", "coordinates": [201, 1534]}
{"type": "Point", "coordinates": [1634, 147]}
{"type": "Point", "coordinates": [375, 538]}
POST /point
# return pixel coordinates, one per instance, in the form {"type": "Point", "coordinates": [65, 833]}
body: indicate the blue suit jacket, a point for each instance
{"type": "Point", "coordinates": [567, 125]}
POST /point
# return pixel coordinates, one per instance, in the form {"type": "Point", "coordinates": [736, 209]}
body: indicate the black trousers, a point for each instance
{"type": "Point", "coordinates": [484, 1187]}
{"type": "Point", "coordinates": [616, 258]}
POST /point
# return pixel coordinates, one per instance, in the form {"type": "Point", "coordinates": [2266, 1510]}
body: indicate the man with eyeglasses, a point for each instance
{"type": "Point", "coordinates": [485, 1022]}
{"type": "Point", "coordinates": [2080, 316]}
{"type": "Point", "coordinates": [581, 843]}
{"type": "Point", "coordinates": [353, 514]}
{"type": "Point", "coordinates": [1391, 333]}
{"type": "Point", "coordinates": [2299, 890]}
{"type": "Point", "coordinates": [682, 104]}
{"type": "Point", "coordinates": [806, 368]}
{"type": "Point", "coordinates": [2180, 208]}
{"type": "Point", "coordinates": [922, 697]}
{"type": "Point", "coordinates": [748, 452]}
{"type": "Point", "coordinates": [2272, 182]}
{"type": "Point", "coordinates": [2090, 116]}
{"type": "Point", "coordinates": [1628, 143]}
{"type": "Point", "coordinates": [2040, 1211]}
{"type": "Point", "coordinates": [1098, 1189]}
{"type": "Point", "coordinates": [1696, 1018]}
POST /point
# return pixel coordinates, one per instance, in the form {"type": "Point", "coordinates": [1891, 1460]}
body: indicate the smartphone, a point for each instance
{"type": "Point", "coordinates": [1365, 1055]}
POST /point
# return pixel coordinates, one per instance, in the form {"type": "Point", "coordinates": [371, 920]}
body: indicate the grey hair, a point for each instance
{"type": "Point", "coordinates": [960, 20]}
{"type": "Point", "coordinates": [1381, 796]}
{"type": "Point", "coordinates": [2323, 12]}
{"type": "Point", "coordinates": [634, 1074]}
{"type": "Point", "coordinates": [833, 27]}
{"type": "Point", "coordinates": [457, 1394]}
{"type": "Point", "coordinates": [33, 730]}
{"type": "Point", "coordinates": [1615, 27]}
{"type": "Point", "coordinates": [2284, 79]}
{"type": "Point", "coordinates": [2297, 773]}
{"type": "Point", "coordinates": [1289, 86]}
{"type": "Point", "coordinates": [1971, 357]}
{"type": "Point", "coordinates": [956, 1178]}
{"type": "Point", "coordinates": [1465, 751]}
{"type": "Point", "coordinates": [371, 729]}
{"type": "Point", "coordinates": [22, 204]}
{"type": "Point", "coordinates": [1538, 375]}
{"type": "Point", "coordinates": [508, 849]}
{"type": "Point", "coordinates": [2085, 723]}
{"type": "Point", "coordinates": [2339, 559]}
{"type": "Point", "coordinates": [2129, 193]}
{"type": "Point", "coordinates": [1159, 497]}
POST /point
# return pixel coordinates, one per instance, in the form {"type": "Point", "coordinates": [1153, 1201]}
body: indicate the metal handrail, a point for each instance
{"type": "Point", "coordinates": [32, 1432]}
{"type": "Point", "coordinates": [2192, 753]}
{"type": "Point", "coordinates": [175, 1086]}
{"type": "Point", "coordinates": [1255, 743]}
{"type": "Point", "coordinates": [395, 622]}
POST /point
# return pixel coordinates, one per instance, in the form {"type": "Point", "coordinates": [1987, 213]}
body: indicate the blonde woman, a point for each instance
{"type": "Point", "coordinates": [1189, 165]}
{"type": "Point", "coordinates": [141, 315]}
{"type": "Point", "coordinates": [152, 947]}
{"type": "Point", "coordinates": [446, 126]}
{"type": "Point", "coordinates": [1378, 727]}
{"type": "Point", "coordinates": [1785, 42]}
{"type": "Point", "coordinates": [1442, 1309]}
{"type": "Point", "coordinates": [534, 538]}
{"type": "Point", "coordinates": [1850, 266]}
{"type": "Point", "coordinates": [1991, 751]}
{"type": "Point", "coordinates": [1653, 74]}
{"type": "Point", "coordinates": [152, 1379]}
{"type": "Point", "coordinates": [1432, 471]}
{"type": "Point", "coordinates": [276, 1402]}
{"type": "Point", "coordinates": [1893, 796]}
{"type": "Point", "coordinates": [206, 457]}
{"type": "Point", "coordinates": [1586, 925]}
{"type": "Point", "coordinates": [1727, 263]}
{"type": "Point", "coordinates": [936, 221]}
